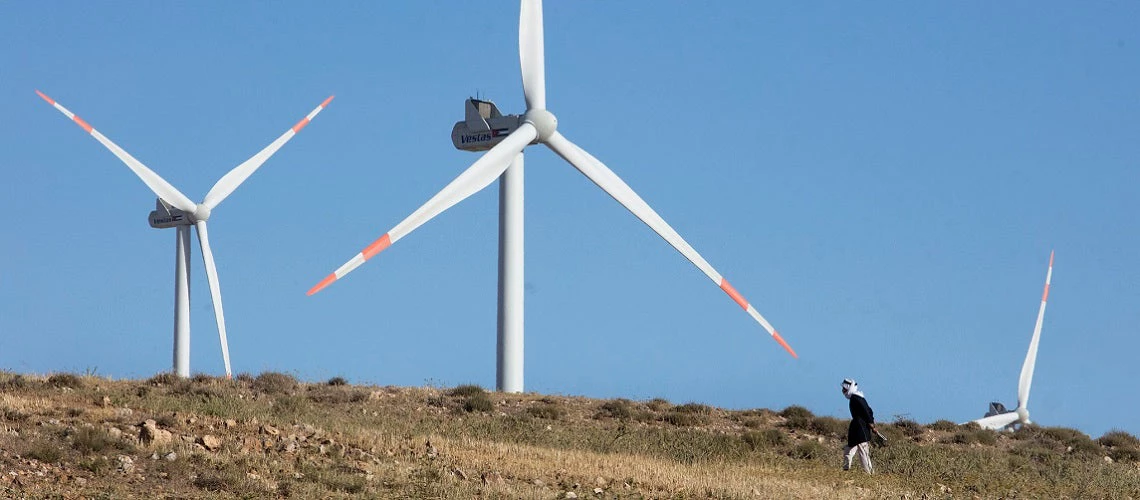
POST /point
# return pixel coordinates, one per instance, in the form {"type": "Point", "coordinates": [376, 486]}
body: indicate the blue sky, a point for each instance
{"type": "Point", "coordinates": [884, 182]}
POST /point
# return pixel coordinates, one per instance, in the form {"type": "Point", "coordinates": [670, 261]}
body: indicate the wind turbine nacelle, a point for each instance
{"type": "Point", "coordinates": [483, 126]}
{"type": "Point", "coordinates": [165, 216]}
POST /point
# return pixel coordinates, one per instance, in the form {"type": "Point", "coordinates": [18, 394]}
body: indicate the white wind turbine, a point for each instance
{"type": "Point", "coordinates": [174, 209]}
{"type": "Point", "coordinates": [998, 417]}
{"type": "Point", "coordinates": [506, 136]}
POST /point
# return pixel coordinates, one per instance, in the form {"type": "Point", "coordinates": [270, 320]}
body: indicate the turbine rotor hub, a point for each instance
{"type": "Point", "coordinates": [543, 121]}
{"type": "Point", "coordinates": [201, 212]}
{"type": "Point", "coordinates": [1023, 415]}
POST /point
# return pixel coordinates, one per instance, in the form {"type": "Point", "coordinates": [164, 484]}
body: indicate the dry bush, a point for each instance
{"type": "Point", "coordinates": [909, 427]}
{"type": "Point", "coordinates": [338, 381]}
{"type": "Point", "coordinates": [12, 382]}
{"type": "Point", "coordinates": [621, 409]}
{"type": "Point", "coordinates": [466, 391]}
{"type": "Point", "coordinates": [770, 438]}
{"type": "Point", "coordinates": [551, 411]}
{"type": "Point", "coordinates": [696, 408]}
{"type": "Point", "coordinates": [69, 380]}
{"type": "Point", "coordinates": [659, 404]}
{"type": "Point", "coordinates": [682, 419]}
{"type": "Point", "coordinates": [808, 450]}
{"type": "Point", "coordinates": [274, 383]}
{"type": "Point", "coordinates": [1124, 454]}
{"type": "Point", "coordinates": [478, 402]}
{"type": "Point", "coordinates": [90, 440]}
{"type": "Point", "coordinates": [797, 417]}
{"type": "Point", "coordinates": [44, 451]}
{"type": "Point", "coordinates": [164, 378]}
{"type": "Point", "coordinates": [944, 426]}
{"type": "Point", "coordinates": [335, 395]}
{"type": "Point", "coordinates": [1119, 438]}
{"type": "Point", "coordinates": [829, 426]}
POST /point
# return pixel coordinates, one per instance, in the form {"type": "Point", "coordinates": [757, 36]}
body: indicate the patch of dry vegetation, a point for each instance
{"type": "Point", "coordinates": [271, 436]}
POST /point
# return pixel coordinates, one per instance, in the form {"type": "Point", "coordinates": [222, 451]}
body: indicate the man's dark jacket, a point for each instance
{"type": "Point", "coordinates": [861, 418]}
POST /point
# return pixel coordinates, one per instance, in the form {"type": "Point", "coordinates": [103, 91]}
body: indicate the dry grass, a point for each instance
{"type": "Point", "coordinates": [280, 438]}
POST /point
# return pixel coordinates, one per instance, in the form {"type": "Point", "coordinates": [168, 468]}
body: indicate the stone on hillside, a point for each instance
{"type": "Point", "coordinates": [106, 402]}
{"type": "Point", "coordinates": [126, 464]}
{"type": "Point", "coordinates": [231, 423]}
{"type": "Point", "coordinates": [149, 433]}
{"type": "Point", "coordinates": [599, 491]}
{"type": "Point", "coordinates": [170, 457]}
{"type": "Point", "coordinates": [269, 429]}
{"type": "Point", "coordinates": [571, 494]}
{"type": "Point", "coordinates": [538, 482]}
{"type": "Point", "coordinates": [212, 443]}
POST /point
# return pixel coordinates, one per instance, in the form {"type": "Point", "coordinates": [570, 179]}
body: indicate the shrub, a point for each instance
{"type": "Point", "coordinates": [69, 380]}
{"type": "Point", "coordinates": [478, 402]}
{"type": "Point", "coordinates": [808, 450]}
{"type": "Point", "coordinates": [166, 421]}
{"type": "Point", "coordinates": [244, 378]}
{"type": "Point", "coordinates": [466, 391]}
{"type": "Point", "coordinates": [1118, 438]}
{"type": "Point", "coordinates": [274, 383]}
{"type": "Point", "coordinates": [797, 417]}
{"type": "Point", "coordinates": [95, 465]}
{"type": "Point", "coordinates": [91, 440]}
{"type": "Point", "coordinates": [164, 378]}
{"type": "Point", "coordinates": [338, 381]}
{"type": "Point", "coordinates": [45, 452]}
{"type": "Point", "coordinates": [659, 404]}
{"type": "Point", "coordinates": [1064, 435]}
{"type": "Point", "coordinates": [696, 408]}
{"type": "Point", "coordinates": [770, 438]}
{"type": "Point", "coordinates": [753, 423]}
{"type": "Point", "coordinates": [621, 409]}
{"type": "Point", "coordinates": [202, 378]}
{"type": "Point", "coordinates": [909, 427]}
{"type": "Point", "coordinates": [13, 382]}
{"type": "Point", "coordinates": [829, 426]}
{"type": "Point", "coordinates": [1124, 454]}
{"type": "Point", "coordinates": [547, 410]}
{"type": "Point", "coordinates": [944, 426]}
{"type": "Point", "coordinates": [681, 419]}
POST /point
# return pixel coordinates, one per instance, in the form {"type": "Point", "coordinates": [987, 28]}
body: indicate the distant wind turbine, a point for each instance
{"type": "Point", "coordinates": [174, 209]}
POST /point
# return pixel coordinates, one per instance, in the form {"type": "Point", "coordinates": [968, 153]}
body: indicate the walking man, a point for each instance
{"type": "Point", "coordinates": [859, 432]}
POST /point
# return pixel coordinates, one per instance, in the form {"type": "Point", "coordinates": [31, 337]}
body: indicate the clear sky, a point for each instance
{"type": "Point", "coordinates": [884, 182]}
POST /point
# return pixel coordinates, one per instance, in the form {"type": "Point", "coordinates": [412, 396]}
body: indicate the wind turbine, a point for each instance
{"type": "Point", "coordinates": [998, 417]}
{"type": "Point", "coordinates": [504, 138]}
{"type": "Point", "coordinates": [174, 209]}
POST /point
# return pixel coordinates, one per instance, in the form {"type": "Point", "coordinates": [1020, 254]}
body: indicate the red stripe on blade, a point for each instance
{"type": "Point", "coordinates": [739, 299]}
{"type": "Point", "coordinates": [82, 123]}
{"type": "Point", "coordinates": [1050, 259]}
{"type": "Point", "coordinates": [776, 335]}
{"type": "Point", "coordinates": [300, 125]}
{"type": "Point", "coordinates": [46, 98]}
{"type": "Point", "coordinates": [321, 286]}
{"type": "Point", "coordinates": [376, 247]}
{"type": "Point", "coordinates": [1045, 296]}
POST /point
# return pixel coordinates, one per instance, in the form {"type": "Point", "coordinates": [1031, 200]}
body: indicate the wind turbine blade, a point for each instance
{"type": "Point", "coordinates": [606, 179]}
{"type": "Point", "coordinates": [229, 182]}
{"type": "Point", "coordinates": [1026, 379]}
{"type": "Point", "coordinates": [215, 291]}
{"type": "Point", "coordinates": [531, 54]}
{"type": "Point", "coordinates": [157, 184]}
{"type": "Point", "coordinates": [481, 173]}
{"type": "Point", "coordinates": [997, 422]}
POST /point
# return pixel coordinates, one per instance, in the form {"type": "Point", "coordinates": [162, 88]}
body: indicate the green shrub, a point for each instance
{"type": "Point", "coordinates": [1118, 438]}
{"type": "Point", "coordinates": [797, 417]}
{"type": "Point", "coordinates": [96, 465]}
{"type": "Point", "coordinates": [621, 409]}
{"type": "Point", "coordinates": [338, 381]}
{"type": "Point", "coordinates": [681, 419]}
{"type": "Point", "coordinates": [695, 408]}
{"type": "Point", "coordinates": [829, 426]}
{"type": "Point", "coordinates": [550, 411]}
{"type": "Point", "coordinates": [771, 438]}
{"type": "Point", "coordinates": [466, 391]}
{"type": "Point", "coordinates": [164, 378]}
{"type": "Point", "coordinates": [1124, 454]}
{"type": "Point", "coordinates": [753, 423]}
{"type": "Point", "coordinates": [45, 452]}
{"type": "Point", "coordinates": [909, 427]}
{"type": "Point", "coordinates": [274, 383]}
{"type": "Point", "coordinates": [659, 404]}
{"type": "Point", "coordinates": [808, 450]}
{"type": "Point", "coordinates": [92, 440]}
{"type": "Point", "coordinates": [478, 402]}
{"type": "Point", "coordinates": [1064, 435]}
{"type": "Point", "coordinates": [69, 380]}
{"type": "Point", "coordinates": [944, 426]}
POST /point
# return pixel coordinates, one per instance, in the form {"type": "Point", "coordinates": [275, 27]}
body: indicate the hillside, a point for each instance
{"type": "Point", "coordinates": [68, 436]}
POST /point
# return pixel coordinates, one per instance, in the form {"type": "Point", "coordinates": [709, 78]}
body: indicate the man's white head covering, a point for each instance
{"type": "Point", "coordinates": [849, 388]}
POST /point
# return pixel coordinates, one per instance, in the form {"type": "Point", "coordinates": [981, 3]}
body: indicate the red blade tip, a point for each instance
{"type": "Point", "coordinates": [45, 97]}
{"type": "Point", "coordinates": [321, 286]}
{"type": "Point", "coordinates": [776, 335]}
{"type": "Point", "coordinates": [327, 101]}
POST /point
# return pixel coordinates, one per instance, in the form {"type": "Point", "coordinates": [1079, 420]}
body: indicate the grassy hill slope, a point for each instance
{"type": "Point", "coordinates": [268, 436]}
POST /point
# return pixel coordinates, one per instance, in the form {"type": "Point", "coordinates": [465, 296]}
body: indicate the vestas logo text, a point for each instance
{"type": "Point", "coordinates": [167, 220]}
{"type": "Point", "coordinates": [469, 138]}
